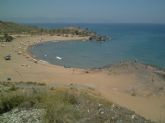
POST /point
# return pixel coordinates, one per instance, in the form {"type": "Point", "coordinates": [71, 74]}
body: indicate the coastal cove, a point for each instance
{"type": "Point", "coordinates": [87, 61]}
{"type": "Point", "coordinates": [129, 43]}
{"type": "Point", "coordinates": [132, 85]}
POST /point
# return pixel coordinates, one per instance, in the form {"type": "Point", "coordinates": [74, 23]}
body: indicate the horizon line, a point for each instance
{"type": "Point", "coordinates": [79, 22]}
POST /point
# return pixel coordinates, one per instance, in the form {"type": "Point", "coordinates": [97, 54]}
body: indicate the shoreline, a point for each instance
{"type": "Point", "coordinates": [116, 83]}
{"type": "Point", "coordinates": [45, 41]}
{"type": "Point", "coordinates": [86, 39]}
{"type": "Point", "coordinates": [160, 69]}
{"type": "Point", "coordinates": [32, 55]}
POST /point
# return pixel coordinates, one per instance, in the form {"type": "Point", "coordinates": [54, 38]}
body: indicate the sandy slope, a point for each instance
{"type": "Point", "coordinates": [136, 87]}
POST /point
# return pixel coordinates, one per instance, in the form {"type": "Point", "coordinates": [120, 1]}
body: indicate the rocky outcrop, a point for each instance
{"type": "Point", "coordinates": [98, 38]}
{"type": "Point", "coordinates": [23, 116]}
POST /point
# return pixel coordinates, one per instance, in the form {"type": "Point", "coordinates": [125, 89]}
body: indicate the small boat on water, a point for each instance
{"type": "Point", "coordinates": [59, 58]}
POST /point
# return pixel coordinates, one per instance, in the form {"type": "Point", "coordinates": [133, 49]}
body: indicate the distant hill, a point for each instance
{"type": "Point", "coordinates": [14, 28]}
{"type": "Point", "coordinates": [10, 27]}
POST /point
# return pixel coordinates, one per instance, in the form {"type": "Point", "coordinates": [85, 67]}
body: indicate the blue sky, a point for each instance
{"type": "Point", "coordinates": [122, 11]}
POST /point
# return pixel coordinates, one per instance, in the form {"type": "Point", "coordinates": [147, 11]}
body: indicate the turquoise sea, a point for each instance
{"type": "Point", "coordinates": [144, 43]}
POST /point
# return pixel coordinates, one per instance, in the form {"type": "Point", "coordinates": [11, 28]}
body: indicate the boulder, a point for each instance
{"type": "Point", "coordinates": [19, 52]}
{"type": "Point", "coordinates": [8, 57]}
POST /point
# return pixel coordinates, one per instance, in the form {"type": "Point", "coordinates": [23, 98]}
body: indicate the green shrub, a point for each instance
{"type": "Point", "coordinates": [70, 98]}
{"type": "Point", "coordinates": [8, 38]}
{"type": "Point", "coordinates": [13, 87]}
{"type": "Point", "coordinates": [8, 102]}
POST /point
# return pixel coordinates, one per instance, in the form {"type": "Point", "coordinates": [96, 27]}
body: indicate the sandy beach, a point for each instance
{"type": "Point", "coordinates": [138, 87]}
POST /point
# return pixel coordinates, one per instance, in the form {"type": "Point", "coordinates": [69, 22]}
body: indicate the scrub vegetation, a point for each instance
{"type": "Point", "coordinates": [38, 103]}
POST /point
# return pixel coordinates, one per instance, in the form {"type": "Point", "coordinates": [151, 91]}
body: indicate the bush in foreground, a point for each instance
{"type": "Point", "coordinates": [42, 104]}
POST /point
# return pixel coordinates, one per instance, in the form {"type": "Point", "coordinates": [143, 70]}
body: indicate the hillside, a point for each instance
{"type": "Point", "coordinates": [36, 103]}
{"type": "Point", "coordinates": [14, 28]}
